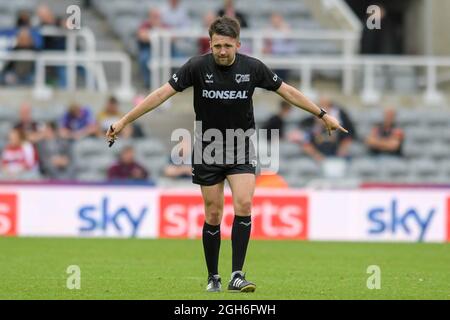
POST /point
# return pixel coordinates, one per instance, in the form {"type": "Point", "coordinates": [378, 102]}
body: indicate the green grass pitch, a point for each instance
{"type": "Point", "coordinates": [35, 268]}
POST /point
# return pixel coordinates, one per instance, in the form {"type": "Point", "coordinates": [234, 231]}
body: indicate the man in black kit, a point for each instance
{"type": "Point", "coordinates": [224, 82]}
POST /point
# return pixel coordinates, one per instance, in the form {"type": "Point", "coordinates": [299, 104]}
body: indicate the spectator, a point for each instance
{"type": "Point", "coordinates": [77, 123]}
{"type": "Point", "coordinates": [280, 47]}
{"type": "Point", "coordinates": [386, 138]}
{"type": "Point", "coordinates": [174, 15]}
{"type": "Point", "coordinates": [179, 165]}
{"type": "Point", "coordinates": [152, 22]}
{"type": "Point", "coordinates": [19, 158]}
{"type": "Point", "coordinates": [382, 40]}
{"type": "Point", "coordinates": [23, 19]}
{"type": "Point", "coordinates": [318, 143]}
{"type": "Point", "coordinates": [27, 125]}
{"type": "Point", "coordinates": [203, 42]}
{"type": "Point", "coordinates": [56, 159]}
{"type": "Point", "coordinates": [127, 169]}
{"type": "Point", "coordinates": [230, 11]}
{"type": "Point", "coordinates": [21, 72]}
{"type": "Point", "coordinates": [276, 122]}
{"type": "Point", "coordinates": [111, 114]}
{"type": "Point", "coordinates": [48, 21]}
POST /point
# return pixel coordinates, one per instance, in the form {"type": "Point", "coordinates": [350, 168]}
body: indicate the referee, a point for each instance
{"type": "Point", "coordinates": [224, 81]}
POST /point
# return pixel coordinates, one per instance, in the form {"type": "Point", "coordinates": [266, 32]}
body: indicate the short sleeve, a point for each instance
{"type": "Point", "coordinates": [182, 79]}
{"type": "Point", "coordinates": [266, 78]}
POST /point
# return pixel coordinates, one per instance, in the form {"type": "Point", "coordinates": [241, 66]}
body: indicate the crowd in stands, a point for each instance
{"type": "Point", "coordinates": [384, 140]}
{"type": "Point", "coordinates": [46, 150]}
{"type": "Point", "coordinates": [174, 15]}
{"type": "Point", "coordinates": [29, 35]}
{"type": "Point", "coordinates": [36, 150]}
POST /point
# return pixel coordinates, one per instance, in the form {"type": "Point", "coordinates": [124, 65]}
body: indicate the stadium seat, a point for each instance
{"type": "Point", "coordinates": [365, 168]}
{"type": "Point", "coordinates": [5, 127]}
{"type": "Point", "coordinates": [150, 147]}
{"type": "Point", "coordinates": [290, 150]}
{"type": "Point", "coordinates": [419, 134]}
{"type": "Point", "coordinates": [438, 150]}
{"type": "Point", "coordinates": [358, 149]}
{"type": "Point", "coordinates": [413, 150]}
{"type": "Point", "coordinates": [394, 168]}
{"type": "Point", "coordinates": [424, 169]}
{"type": "Point", "coordinates": [154, 164]}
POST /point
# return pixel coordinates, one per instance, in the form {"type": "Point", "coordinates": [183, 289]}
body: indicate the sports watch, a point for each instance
{"type": "Point", "coordinates": [322, 113]}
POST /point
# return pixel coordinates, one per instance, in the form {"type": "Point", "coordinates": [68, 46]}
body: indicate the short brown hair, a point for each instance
{"type": "Point", "coordinates": [225, 26]}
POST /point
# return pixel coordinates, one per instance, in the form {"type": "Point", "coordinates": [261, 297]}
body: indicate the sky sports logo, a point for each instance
{"type": "Point", "coordinates": [273, 217]}
{"type": "Point", "coordinates": [407, 222]}
{"type": "Point", "coordinates": [8, 214]}
{"type": "Point", "coordinates": [225, 94]}
{"type": "Point", "coordinates": [105, 218]}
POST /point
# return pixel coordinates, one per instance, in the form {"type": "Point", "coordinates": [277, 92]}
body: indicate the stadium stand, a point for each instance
{"type": "Point", "coordinates": [426, 130]}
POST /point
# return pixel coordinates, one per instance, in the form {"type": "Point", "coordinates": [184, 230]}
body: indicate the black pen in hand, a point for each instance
{"type": "Point", "coordinates": [112, 140]}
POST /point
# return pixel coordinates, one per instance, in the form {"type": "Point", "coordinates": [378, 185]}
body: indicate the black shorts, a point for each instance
{"type": "Point", "coordinates": [211, 174]}
{"type": "Point", "coordinates": [208, 171]}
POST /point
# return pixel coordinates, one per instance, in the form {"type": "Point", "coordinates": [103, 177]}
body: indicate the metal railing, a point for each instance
{"type": "Point", "coordinates": [87, 57]}
{"type": "Point", "coordinates": [348, 62]}
{"type": "Point", "coordinates": [161, 62]}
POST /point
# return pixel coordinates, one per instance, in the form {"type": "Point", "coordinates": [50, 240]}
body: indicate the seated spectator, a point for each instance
{"type": "Point", "coordinates": [152, 22]}
{"type": "Point", "coordinates": [383, 40]}
{"type": "Point", "coordinates": [19, 158]}
{"type": "Point", "coordinates": [175, 15]}
{"type": "Point", "coordinates": [318, 144]}
{"type": "Point", "coordinates": [276, 122]}
{"type": "Point", "coordinates": [23, 19]}
{"type": "Point", "coordinates": [280, 47]}
{"type": "Point", "coordinates": [77, 123]}
{"type": "Point", "coordinates": [21, 72]}
{"type": "Point", "coordinates": [230, 11]}
{"type": "Point", "coordinates": [48, 21]}
{"type": "Point", "coordinates": [203, 42]}
{"type": "Point", "coordinates": [111, 114]}
{"type": "Point", "coordinates": [126, 168]}
{"type": "Point", "coordinates": [179, 165]}
{"type": "Point", "coordinates": [55, 155]}
{"type": "Point", "coordinates": [27, 125]}
{"type": "Point", "coordinates": [386, 138]}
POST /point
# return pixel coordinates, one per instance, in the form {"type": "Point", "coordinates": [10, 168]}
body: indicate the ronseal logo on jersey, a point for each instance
{"type": "Point", "coordinates": [225, 95]}
{"type": "Point", "coordinates": [8, 214]}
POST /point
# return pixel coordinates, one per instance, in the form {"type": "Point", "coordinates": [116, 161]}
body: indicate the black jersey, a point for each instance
{"type": "Point", "coordinates": [223, 94]}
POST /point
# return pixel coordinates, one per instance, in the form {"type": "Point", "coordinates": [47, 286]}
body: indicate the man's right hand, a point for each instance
{"type": "Point", "coordinates": [114, 131]}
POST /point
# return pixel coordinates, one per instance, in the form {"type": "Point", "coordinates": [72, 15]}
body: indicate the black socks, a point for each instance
{"type": "Point", "coordinates": [240, 235]}
{"type": "Point", "coordinates": [211, 246]}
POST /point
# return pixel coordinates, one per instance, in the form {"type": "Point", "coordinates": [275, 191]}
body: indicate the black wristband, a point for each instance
{"type": "Point", "coordinates": [322, 113]}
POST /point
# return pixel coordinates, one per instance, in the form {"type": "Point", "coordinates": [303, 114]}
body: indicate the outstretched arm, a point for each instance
{"type": "Point", "coordinates": [152, 101]}
{"type": "Point", "coordinates": [296, 98]}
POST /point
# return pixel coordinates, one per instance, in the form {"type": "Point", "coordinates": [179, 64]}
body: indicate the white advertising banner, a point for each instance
{"type": "Point", "coordinates": [381, 215]}
{"type": "Point", "coordinates": [138, 211]}
{"type": "Point", "coordinates": [85, 211]}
